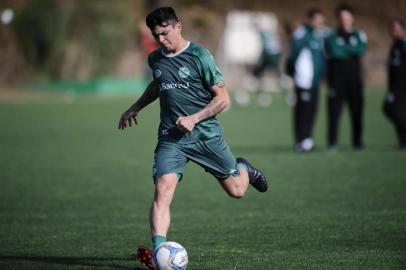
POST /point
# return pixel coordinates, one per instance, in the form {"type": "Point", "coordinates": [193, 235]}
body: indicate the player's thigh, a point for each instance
{"type": "Point", "coordinates": [168, 159]}
{"type": "Point", "coordinates": [215, 156]}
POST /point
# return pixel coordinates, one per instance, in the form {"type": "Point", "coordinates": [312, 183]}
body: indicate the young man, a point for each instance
{"type": "Point", "coordinates": [307, 64]}
{"type": "Point", "coordinates": [395, 101]}
{"type": "Point", "coordinates": [345, 47]}
{"type": "Point", "coordinates": [191, 92]}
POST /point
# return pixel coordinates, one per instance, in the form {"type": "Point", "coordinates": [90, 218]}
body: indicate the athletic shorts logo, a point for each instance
{"type": "Point", "coordinates": [164, 132]}
{"type": "Point", "coordinates": [184, 72]}
{"type": "Point", "coordinates": [157, 73]}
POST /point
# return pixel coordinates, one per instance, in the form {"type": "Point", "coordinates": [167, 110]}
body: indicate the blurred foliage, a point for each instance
{"type": "Point", "coordinates": [77, 39]}
{"type": "Point", "coordinates": [41, 29]}
{"type": "Point", "coordinates": [84, 39]}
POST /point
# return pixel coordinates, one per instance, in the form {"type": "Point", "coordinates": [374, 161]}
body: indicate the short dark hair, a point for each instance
{"type": "Point", "coordinates": [162, 16]}
{"type": "Point", "coordinates": [312, 12]}
{"type": "Point", "coordinates": [344, 7]}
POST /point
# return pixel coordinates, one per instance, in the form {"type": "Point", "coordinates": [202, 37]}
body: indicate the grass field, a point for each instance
{"type": "Point", "coordinates": [75, 192]}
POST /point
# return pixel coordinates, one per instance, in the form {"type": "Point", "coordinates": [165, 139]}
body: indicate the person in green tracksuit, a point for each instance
{"type": "Point", "coordinates": [191, 92]}
{"type": "Point", "coordinates": [306, 65]}
{"type": "Point", "coordinates": [394, 105]}
{"type": "Point", "coordinates": [344, 47]}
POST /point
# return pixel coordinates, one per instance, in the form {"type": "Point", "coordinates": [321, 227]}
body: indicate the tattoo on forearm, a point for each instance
{"type": "Point", "coordinates": [214, 107]}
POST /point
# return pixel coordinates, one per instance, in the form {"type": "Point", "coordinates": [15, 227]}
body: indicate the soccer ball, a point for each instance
{"type": "Point", "coordinates": [170, 256]}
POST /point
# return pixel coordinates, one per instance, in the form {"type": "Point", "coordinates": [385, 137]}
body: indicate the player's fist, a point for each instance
{"type": "Point", "coordinates": [186, 124]}
{"type": "Point", "coordinates": [127, 118]}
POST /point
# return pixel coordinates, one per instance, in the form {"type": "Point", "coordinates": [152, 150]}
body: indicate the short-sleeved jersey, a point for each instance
{"type": "Point", "coordinates": [185, 80]}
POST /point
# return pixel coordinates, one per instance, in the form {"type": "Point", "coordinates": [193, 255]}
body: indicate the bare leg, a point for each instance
{"type": "Point", "coordinates": [236, 186]}
{"type": "Point", "coordinates": [160, 217]}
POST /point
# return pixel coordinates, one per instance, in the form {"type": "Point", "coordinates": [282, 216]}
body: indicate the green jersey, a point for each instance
{"type": "Point", "coordinates": [345, 46]}
{"type": "Point", "coordinates": [185, 80]}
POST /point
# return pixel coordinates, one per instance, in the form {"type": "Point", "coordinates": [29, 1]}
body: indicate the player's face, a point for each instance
{"type": "Point", "coordinates": [346, 20]}
{"type": "Point", "coordinates": [317, 21]}
{"type": "Point", "coordinates": [168, 36]}
{"type": "Point", "coordinates": [397, 30]}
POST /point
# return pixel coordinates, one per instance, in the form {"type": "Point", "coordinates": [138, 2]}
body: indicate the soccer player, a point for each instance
{"type": "Point", "coordinates": [307, 65]}
{"type": "Point", "coordinates": [395, 101]}
{"type": "Point", "coordinates": [345, 46]}
{"type": "Point", "coordinates": [191, 92]}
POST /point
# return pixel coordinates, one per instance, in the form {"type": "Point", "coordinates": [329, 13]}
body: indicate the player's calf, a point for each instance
{"type": "Point", "coordinates": [256, 178]}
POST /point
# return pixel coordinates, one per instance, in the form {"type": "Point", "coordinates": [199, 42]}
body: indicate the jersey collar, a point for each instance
{"type": "Point", "coordinates": [175, 54]}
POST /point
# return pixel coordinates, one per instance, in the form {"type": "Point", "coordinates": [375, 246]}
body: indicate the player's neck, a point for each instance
{"type": "Point", "coordinates": [180, 46]}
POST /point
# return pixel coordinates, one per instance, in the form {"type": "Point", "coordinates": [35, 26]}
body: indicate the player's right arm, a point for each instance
{"type": "Point", "coordinates": [150, 94]}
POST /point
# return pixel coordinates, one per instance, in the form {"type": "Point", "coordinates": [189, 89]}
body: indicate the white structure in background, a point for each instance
{"type": "Point", "coordinates": [7, 16]}
{"type": "Point", "coordinates": [240, 49]}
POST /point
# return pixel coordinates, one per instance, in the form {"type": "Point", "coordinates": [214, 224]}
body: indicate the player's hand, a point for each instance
{"type": "Point", "coordinates": [186, 124]}
{"type": "Point", "coordinates": [127, 118]}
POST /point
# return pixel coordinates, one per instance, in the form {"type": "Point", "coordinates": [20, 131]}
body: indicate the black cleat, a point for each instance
{"type": "Point", "coordinates": [256, 178]}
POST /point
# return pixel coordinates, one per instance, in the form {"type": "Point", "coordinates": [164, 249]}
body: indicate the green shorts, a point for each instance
{"type": "Point", "coordinates": [213, 154]}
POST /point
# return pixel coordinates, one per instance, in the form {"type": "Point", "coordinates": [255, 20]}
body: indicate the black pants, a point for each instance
{"type": "Point", "coordinates": [305, 112]}
{"type": "Point", "coordinates": [352, 93]}
{"type": "Point", "coordinates": [395, 109]}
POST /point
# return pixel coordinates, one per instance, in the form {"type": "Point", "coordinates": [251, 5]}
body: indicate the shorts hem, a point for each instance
{"type": "Point", "coordinates": [225, 177]}
{"type": "Point", "coordinates": [178, 174]}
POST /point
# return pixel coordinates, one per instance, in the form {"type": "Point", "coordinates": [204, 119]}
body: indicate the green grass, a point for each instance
{"type": "Point", "coordinates": [75, 192]}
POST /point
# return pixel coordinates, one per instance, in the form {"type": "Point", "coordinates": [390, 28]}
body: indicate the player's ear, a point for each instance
{"type": "Point", "coordinates": [178, 25]}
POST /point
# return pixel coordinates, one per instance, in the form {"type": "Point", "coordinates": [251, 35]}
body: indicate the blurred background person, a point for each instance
{"type": "Point", "coordinates": [395, 101]}
{"type": "Point", "coordinates": [345, 46]}
{"type": "Point", "coordinates": [306, 65]}
{"type": "Point", "coordinates": [269, 60]}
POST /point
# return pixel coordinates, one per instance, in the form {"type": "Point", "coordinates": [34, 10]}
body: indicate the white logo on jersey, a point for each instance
{"type": "Point", "coordinates": [169, 86]}
{"type": "Point", "coordinates": [340, 41]}
{"type": "Point", "coordinates": [183, 72]}
{"type": "Point", "coordinates": [353, 41]}
{"type": "Point", "coordinates": [314, 45]}
{"type": "Point", "coordinates": [157, 73]}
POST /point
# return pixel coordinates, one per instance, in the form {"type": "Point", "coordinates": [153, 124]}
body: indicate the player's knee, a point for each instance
{"type": "Point", "coordinates": [165, 188]}
{"type": "Point", "coordinates": [236, 194]}
{"type": "Point", "coordinates": [163, 191]}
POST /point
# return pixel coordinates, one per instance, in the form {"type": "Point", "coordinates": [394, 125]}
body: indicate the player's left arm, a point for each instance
{"type": "Point", "coordinates": [220, 101]}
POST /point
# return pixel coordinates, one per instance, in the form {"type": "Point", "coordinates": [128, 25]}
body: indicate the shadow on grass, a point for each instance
{"type": "Point", "coordinates": [94, 262]}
